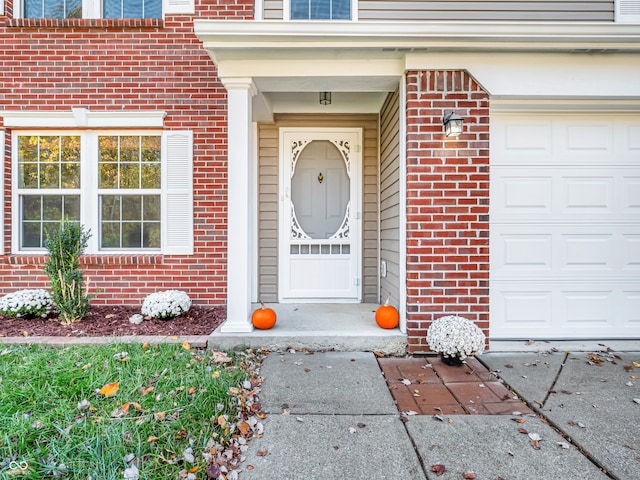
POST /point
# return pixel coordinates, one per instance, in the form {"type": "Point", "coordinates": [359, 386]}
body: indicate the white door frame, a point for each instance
{"type": "Point", "coordinates": [354, 136]}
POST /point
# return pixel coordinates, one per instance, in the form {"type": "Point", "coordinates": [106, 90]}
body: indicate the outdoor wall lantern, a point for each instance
{"type": "Point", "coordinates": [325, 98]}
{"type": "Point", "coordinates": [452, 124]}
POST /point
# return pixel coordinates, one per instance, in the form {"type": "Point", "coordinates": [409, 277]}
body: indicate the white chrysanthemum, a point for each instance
{"type": "Point", "coordinates": [36, 303]}
{"type": "Point", "coordinates": [455, 336]}
{"type": "Point", "coordinates": [167, 304]}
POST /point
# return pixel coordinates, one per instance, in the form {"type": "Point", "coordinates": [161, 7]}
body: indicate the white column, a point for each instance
{"type": "Point", "coordinates": [239, 252]}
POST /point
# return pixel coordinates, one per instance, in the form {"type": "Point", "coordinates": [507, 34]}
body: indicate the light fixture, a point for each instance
{"type": "Point", "coordinates": [325, 98]}
{"type": "Point", "coordinates": [452, 124]}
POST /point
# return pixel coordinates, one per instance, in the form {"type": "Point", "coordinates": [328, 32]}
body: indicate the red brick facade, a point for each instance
{"type": "Point", "coordinates": [447, 203]}
{"type": "Point", "coordinates": [153, 64]}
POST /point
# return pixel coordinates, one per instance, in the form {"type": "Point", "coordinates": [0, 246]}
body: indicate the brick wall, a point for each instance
{"type": "Point", "coordinates": [447, 203]}
{"type": "Point", "coordinates": [127, 64]}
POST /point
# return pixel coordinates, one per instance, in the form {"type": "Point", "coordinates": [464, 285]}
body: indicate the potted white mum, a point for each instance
{"type": "Point", "coordinates": [455, 338]}
{"type": "Point", "coordinates": [166, 305]}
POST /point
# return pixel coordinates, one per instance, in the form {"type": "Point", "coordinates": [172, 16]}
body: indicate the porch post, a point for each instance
{"type": "Point", "coordinates": [239, 252]}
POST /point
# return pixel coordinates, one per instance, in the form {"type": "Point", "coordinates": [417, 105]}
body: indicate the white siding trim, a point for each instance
{"type": "Point", "coordinates": [402, 233]}
{"type": "Point", "coordinates": [174, 7]}
{"type": "Point", "coordinates": [627, 11]}
{"type": "Point", "coordinates": [2, 162]}
{"type": "Point", "coordinates": [177, 192]}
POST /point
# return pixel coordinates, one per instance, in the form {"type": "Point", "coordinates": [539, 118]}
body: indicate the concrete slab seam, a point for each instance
{"type": "Point", "coordinates": [537, 408]}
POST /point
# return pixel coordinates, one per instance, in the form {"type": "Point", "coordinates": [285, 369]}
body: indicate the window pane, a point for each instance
{"type": "Point", "coordinates": [49, 176]}
{"type": "Point", "coordinates": [132, 207]}
{"type": "Point", "coordinates": [300, 9]}
{"type": "Point", "coordinates": [151, 235]}
{"type": "Point", "coordinates": [110, 207]}
{"type": "Point", "coordinates": [53, 8]}
{"type": "Point", "coordinates": [131, 235]}
{"type": "Point", "coordinates": [341, 9]}
{"type": "Point", "coordinates": [151, 208]}
{"type": "Point", "coordinates": [52, 208]}
{"type": "Point", "coordinates": [132, 8]}
{"type": "Point", "coordinates": [129, 175]}
{"type": "Point", "coordinates": [321, 9]}
{"type": "Point", "coordinates": [110, 235]}
{"type": "Point", "coordinates": [28, 175]}
{"type": "Point", "coordinates": [31, 237]}
{"type": "Point", "coordinates": [31, 207]}
{"type": "Point", "coordinates": [70, 158]}
{"type": "Point", "coordinates": [151, 175]}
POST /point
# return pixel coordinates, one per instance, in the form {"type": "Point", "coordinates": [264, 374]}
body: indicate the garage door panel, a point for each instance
{"type": "Point", "coordinates": [565, 251]}
{"type": "Point", "coordinates": [565, 311]}
{"type": "Point", "coordinates": [565, 226]}
{"type": "Point", "coordinates": [564, 193]}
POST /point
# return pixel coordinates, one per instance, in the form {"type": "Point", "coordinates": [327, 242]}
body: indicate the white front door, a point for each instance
{"type": "Point", "coordinates": [320, 215]}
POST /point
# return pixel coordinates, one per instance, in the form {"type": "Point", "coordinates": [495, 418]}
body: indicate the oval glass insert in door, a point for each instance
{"type": "Point", "coordinates": [320, 193]}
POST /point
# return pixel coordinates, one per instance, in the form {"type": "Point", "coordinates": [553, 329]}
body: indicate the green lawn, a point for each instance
{"type": "Point", "coordinates": [124, 411]}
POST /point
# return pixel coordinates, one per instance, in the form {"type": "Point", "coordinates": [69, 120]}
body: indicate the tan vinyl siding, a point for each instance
{"type": "Point", "coordinates": [268, 213]}
{"type": "Point", "coordinates": [390, 197]}
{"type": "Point", "coordinates": [272, 10]}
{"type": "Point", "coordinates": [513, 10]}
{"type": "Point", "coordinates": [268, 198]}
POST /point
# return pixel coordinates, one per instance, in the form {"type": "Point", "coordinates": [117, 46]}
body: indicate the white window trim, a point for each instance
{"type": "Point", "coordinates": [83, 118]}
{"type": "Point", "coordinates": [89, 192]}
{"type": "Point", "coordinates": [93, 8]}
{"type": "Point", "coordinates": [286, 13]}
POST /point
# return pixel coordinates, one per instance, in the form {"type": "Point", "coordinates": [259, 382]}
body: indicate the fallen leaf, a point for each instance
{"type": "Point", "coordinates": [262, 453]}
{"type": "Point", "coordinates": [535, 444]}
{"type": "Point", "coordinates": [83, 405]}
{"type": "Point", "coordinates": [191, 390]}
{"type": "Point", "coordinates": [250, 467]}
{"type": "Point", "coordinates": [437, 469]}
{"type": "Point", "coordinates": [4, 352]}
{"type": "Point", "coordinates": [406, 381]}
{"type": "Point", "coordinates": [110, 389]}
{"type": "Point", "coordinates": [222, 421]}
{"type": "Point", "coordinates": [187, 454]}
{"type": "Point", "coordinates": [213, 470]}
{"type": "Point", "coordinates": [152, 439]}
{"type": "Point", "coordinates": [564, 445]}
{"type": "Point", "coordinates": [193, 470]}
{"type": "Point", "coordinates": [145, 345]}
{"type": "Point", "coordinates": [535, 436]}
{"type": "Point", "coordinates": [637, 400]}
{"type": "Point", "coordinates": [146, 391]}
{"type": "Point", "coordinates": [215, 374]}
{"type": "Point", "coordinates": [635, 364]}
{"type": "Point", "coordinates": [243, 427]}
{"type": "Point", "coordinates": [186, 345]}
{"type": "Point", "coordinates": [519, 420]}
{"type": "Point", "coordinates": [220, 357]}
{"type": "Point", "coordinates": [628, 368]}
{"type": "Point", "coordinates": [159, 416]}
{"type": "Point", "coordinates": [523, 430]}
{"type": "Point", "coordinates": [468, 476]}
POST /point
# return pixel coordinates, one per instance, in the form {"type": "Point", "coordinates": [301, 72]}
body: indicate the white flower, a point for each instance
{"type": "Point", "coordinates": [455, 336]}
{"type": "Point", "coordinates": [36, 303]}
{"type": "Point", "coordinates": [167, 304]}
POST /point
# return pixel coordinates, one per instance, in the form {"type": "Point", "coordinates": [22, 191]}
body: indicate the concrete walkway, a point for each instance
{"type": "Point", "coordinates": [331, 415]}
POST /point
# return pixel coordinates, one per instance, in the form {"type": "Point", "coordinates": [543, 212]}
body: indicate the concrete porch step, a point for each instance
{"type": "Point", "coordinates": [318, 326]}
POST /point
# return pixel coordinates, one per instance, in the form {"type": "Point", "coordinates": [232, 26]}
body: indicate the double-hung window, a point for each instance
{"type": "Point", "coordinates": [104, 8]}
{"type": "Point", "coordinates": [320, 9]}
{"type": "Point", "coordinates": [132, 190]}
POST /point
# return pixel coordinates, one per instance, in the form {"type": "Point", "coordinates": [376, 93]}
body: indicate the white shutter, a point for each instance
{"type": "Point", "coordinates": [627, 11]}
{"type": "Point", "coordinates": [2, 162]}
{"type": "Point", "coordinates": [177, 192]}
{"type": "Point", "coordinates": [174, 7]}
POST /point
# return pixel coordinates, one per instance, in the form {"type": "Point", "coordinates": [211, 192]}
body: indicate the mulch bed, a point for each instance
{"type": "Point", "coordinates": [107, 321]}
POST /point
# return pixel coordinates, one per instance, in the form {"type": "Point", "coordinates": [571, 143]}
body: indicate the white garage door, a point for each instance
{"type": "Point", "coordinates": [565, 226]}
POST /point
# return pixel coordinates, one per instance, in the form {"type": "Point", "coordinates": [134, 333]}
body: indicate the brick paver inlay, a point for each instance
{"type": "Point", "coordinates": [427, 386]}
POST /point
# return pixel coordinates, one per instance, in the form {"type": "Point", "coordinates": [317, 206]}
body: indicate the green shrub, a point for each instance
{"type": "Point", "coordinates": [65, 247]}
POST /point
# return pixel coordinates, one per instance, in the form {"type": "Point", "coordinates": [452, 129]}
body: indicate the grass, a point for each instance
{"type": "Point", "coordinates": [170, 399]}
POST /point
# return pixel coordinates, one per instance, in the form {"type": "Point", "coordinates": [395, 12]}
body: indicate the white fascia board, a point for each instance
{"type": "Point", "coordinates": [228, 37]}
{"type": "Point", "coordinates": [550, 74]}
{"type": "Point", "coordinates": [311, 67]}
{"type": "Point", "coordinates": [83, 118]}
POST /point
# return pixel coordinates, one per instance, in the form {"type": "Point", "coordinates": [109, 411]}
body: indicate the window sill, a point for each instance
{"type": "Point", "coordinates": [129, 259]}
{"type": "Point", "coordinates": [86, 22]}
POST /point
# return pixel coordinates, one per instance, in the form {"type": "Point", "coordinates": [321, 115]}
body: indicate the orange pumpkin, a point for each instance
{"type": "Point", "coordinates": [263, 318]}
{"type": "Point", "coordinates": [387, 316]}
